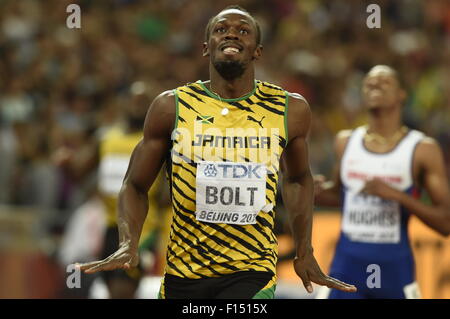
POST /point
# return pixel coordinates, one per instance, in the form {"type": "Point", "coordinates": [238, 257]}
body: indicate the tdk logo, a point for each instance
{"type": "Point", "coordinates": [232, 170]}
{"type": "Point", "coordinates": [210, 170]}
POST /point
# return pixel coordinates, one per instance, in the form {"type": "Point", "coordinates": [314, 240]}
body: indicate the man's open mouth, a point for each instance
{"type": "Point", "coordinates": [231, 49]}
{"type": "Point", "coordinates": [376, 92]}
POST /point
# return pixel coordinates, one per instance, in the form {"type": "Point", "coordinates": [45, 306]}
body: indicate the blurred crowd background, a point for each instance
{"type": "Point", "coordinates": [60, 87]}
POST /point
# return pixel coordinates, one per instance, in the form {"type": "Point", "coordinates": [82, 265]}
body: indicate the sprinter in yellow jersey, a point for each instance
{"type": "Point", "coordinates": [226, 140]}
{"type": "Point", "coordinates": [115, 150]}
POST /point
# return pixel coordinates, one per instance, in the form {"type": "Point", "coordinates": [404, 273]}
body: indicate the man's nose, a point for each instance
{"type": "Point", "coordinates": [232, 34]}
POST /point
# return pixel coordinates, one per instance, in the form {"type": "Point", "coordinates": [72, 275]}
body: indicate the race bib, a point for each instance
{"type": "Point", "coordinates": [371, 219]}
{"type": "Point", "coordinates": [231, 193]}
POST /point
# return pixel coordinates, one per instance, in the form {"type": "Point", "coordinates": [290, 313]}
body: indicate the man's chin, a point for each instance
{"type": "Point", "coordinates": [229, 69]}
{"type": "Point", "coordinates": [373, 102]}
{"type": "Point", "coordinates": [376, 107]}
{"type": "Point", "coordinates": [229, 58]}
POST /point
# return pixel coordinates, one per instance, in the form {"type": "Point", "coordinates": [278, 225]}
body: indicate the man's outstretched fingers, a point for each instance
{"type": "Point", "coordinates": [94, 269]}
{"type": "Point", "coordinates": [306, 281]}
{"type": "Point", "coordinates": [86, 266]}
{"type": "Point", "coordinates": [337, 284]}
{"type": "Point", "coordinates": [96, 266]}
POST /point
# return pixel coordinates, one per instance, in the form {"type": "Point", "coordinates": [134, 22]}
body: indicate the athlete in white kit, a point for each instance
{"type": "Point", "coordinates": [380, 171]}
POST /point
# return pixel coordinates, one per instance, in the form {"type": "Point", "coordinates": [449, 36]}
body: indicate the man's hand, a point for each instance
{"type": "Point", "coordinates": [321, 184]}
{"type": "Point", "coordinates": [378, 187]}
{"type": "Point", "coordinates": [123, 258]}
{"type": "Point", "coordinates": [309, 271]}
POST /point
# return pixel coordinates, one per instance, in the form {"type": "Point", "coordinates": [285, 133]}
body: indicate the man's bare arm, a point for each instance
{"type": "Point", "coordinates": [434, 179]}
{"type": "Point", "coordinates": [298, 195]}
{"type": "Point", "coordinates": [297, 183]}
{"type": "Point", "coordinates": [145, 164]}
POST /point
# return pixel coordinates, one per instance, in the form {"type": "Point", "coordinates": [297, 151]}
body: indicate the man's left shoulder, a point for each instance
{"type": "Point", "coordinates": [297, 102]}
{"type": "Point", "coordinates": [428, 150]}
{"type": "Point", "coordinates": [274, 89]}
{"type": "Point", "coordinates": [427, 143]}
{"type": "Point", "coordinates": [297, 98]}
{"type": "Point", "coordinates": [299, 112]}
{"type": "Point", "coordinates": [271, 90]}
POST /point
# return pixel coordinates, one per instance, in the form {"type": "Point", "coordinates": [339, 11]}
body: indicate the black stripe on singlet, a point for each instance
{"type": "Point", "coordinates": [176, 175]}
{"type": "Point", "coordinates": [203, 251]}
{"type": "Point", "coordinates": [185, 241]}
{"type": "Point", "coordinates": [181, 214]}
{"type": "Point", "coordinates": [175, 186]}
{"type": "Point", "coordinates": [193, 95]}
{"type": "Point", "coordinates": [183, 262]}
{"type": "Point", "coordinates": [234, 237]}
{"type": "Point", "coordinates": [185, 168]}
{"type": "Point", "coordinates": [186, 105]}
{"type": "Point", "coordinates": [264, 106]}
{"type": "Point", "coordinates": [271, 86]}
{"type": "Point", "coordinates": [245, 232]}
{"type": "Point", "coordinates": [257, 263]}
{"type": "Point", "coordinates": [184, 158]}
{"type": "Point", "coordinates": [270, 100]}
{"type": "Point", "coordinates": [263, 221]}
{"type": "Point", "coordinates": [242, 107]}
{"type": "Point", "coordinates": [219, 229]}
{"type": "Point", "coordinates": [199, 91]}
{"type": "Point", "coordinates": [282, 140]}
{"type": "Point", "coordinates": [270, 95]}
{"type": "Point", "coordinates": [172, 266]}
{"type": "Point", "coordinates": [270, 188]}
{"type": "Point", "coordinates": [260, 230]}
{"type": "Point", "coordinates": [270, 109]}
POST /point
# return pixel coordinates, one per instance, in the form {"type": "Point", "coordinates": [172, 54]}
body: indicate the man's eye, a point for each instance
{"type": "Point", "coordinates": [244, 31]}
{"type": "Point", "coordinates": [220, 30]}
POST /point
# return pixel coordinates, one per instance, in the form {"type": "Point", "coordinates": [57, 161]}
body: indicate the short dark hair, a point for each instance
{"type": "Point", "coordinates": [388, 69]}
{"type": "Point", "coordinates": [237, 7]}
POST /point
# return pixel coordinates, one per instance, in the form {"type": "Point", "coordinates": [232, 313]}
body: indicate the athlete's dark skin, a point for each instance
{"type": "Point", "coordinates": [383, 98]}
{"type": "Point", "coordinates": [235, 28]}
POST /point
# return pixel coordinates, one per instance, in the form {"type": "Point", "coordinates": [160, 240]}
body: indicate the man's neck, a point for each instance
{"type": "Point", "coordinates": [385, 122]}
{"type": "Point", "coordinates": [232, 89]}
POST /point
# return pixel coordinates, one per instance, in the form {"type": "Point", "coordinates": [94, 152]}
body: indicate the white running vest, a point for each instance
{"type": "Point", "coordinates": [367, 218]}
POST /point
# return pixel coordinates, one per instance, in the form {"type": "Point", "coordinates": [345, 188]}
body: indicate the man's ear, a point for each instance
{"type": "Point", "coordinates": [205, 49]}
{"type": "Point", "coordinates": [258, 52]}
